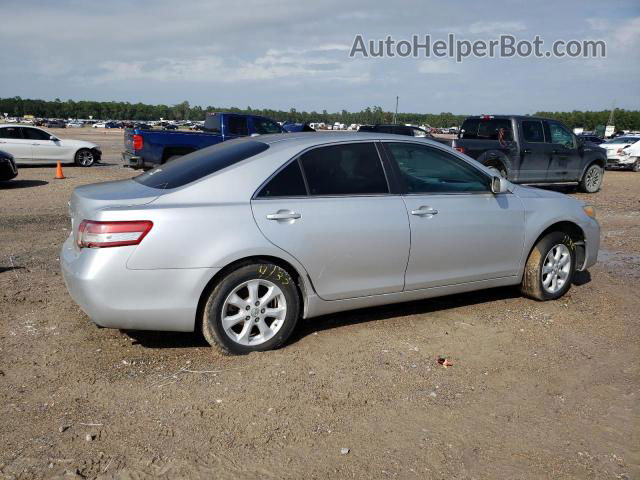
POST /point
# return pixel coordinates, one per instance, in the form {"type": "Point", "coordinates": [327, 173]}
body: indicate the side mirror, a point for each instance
{"type": "Point", "coordinates": [498, 185]}
{"type": "Point", "coordinates": [53, 138]}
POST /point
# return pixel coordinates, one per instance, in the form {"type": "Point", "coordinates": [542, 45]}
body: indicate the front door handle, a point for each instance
{"type": "Point", "coordinates": [424, 211]}
{"type": "Point", "coordinates": [527, 150]}
{"type": "Point", "coordinates": [284, 215]}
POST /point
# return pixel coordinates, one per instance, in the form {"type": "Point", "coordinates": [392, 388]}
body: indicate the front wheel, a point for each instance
{"type": "Point", "coordinates": [85, 157]}
{"type": "Point", "coordinates": [592, 179]}
{"type": "Point", "coordinates": [550, 267]}
{"type": "Point", "coordinates": [254, 308]}
{"type": "Point", "coordinates": [636, 166]}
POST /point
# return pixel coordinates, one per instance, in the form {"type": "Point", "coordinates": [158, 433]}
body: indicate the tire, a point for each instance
{"type": "Point", "coordinates": [251, 327]}
{"type": "Point", "coordinates": [591, 181]}
{"type": "Point", "coordinates": [537, 282]}
{"type": "Point", "coordinates": [636, 166]}
{"type": "Point", "coordinates": [85, 157]}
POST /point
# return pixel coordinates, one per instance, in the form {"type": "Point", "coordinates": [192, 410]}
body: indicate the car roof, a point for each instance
{"type": "Point", "coordinates": [304, 140]}
{"type": "Point", "coordinates": [508, 117]}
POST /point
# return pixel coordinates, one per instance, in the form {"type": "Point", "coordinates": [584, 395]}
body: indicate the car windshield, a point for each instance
{"type": "Point", "coordinates": [199, 164]}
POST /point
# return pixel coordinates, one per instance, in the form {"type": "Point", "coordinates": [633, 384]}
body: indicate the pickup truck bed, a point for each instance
{"type": "Point", "coordinates": [150, 148]}
{"type": "Point", "coordinates": [160, 146]}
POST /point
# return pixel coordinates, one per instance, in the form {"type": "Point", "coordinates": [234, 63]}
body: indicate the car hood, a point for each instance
{"type": "Point", "coordinates": [77, 143]}
{"type": "Point", "coordinates": [523, 191]}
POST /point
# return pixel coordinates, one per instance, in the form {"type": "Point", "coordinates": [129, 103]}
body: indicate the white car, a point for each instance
{"type": "Point", "coordinates": [31, 145]}
{"type": "Point", "coordinates": [631, 156]}
{"type": "Point", "coordinates": [75, 125]}
{"type": "Point", "coordinates": [616, 151]}
{"type": "Point", "coordinates": [100, 125]}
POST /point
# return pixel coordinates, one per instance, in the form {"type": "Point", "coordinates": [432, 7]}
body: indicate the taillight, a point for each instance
{"type": "Point", "coordinates": [138, 142]}
{"type": "Point", "coordinates": [112, 234]}
{"type": "Point", "coordinates": [460, 149]}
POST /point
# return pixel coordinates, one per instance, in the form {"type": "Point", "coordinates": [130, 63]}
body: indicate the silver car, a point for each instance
{"type": "Point", "coordinates": [242, 239]}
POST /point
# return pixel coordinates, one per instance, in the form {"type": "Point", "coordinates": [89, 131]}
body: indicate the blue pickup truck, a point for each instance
{"type": "Point", "coordinates": [149, 148]}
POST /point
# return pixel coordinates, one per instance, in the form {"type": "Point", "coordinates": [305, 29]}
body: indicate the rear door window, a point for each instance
{"type": "Point", "coordinates": [237, 125]}
{"type": "Point", "coordinates": [347, 169]}
{"type": "Point", "coordinates": [532, 131]}
{"type": "Point", "coordinates": [200, 163]}
{"type": "Point", "coordinates": [288, 182]}
{"type": "Point", "coordinates": [11, 132]}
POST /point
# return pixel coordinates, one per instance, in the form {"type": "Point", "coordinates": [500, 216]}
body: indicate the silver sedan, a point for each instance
{"type": "Point", "coordinates": [242, 239]}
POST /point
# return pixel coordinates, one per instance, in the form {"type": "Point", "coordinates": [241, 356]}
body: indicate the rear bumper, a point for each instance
{"type": "Point", "coordinates": [133, 161]}
{"type": "Point", "coordinates": [114, 296]}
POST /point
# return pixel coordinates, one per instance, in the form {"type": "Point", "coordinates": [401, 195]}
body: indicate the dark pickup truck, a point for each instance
{"type": "Point", "coordinates": [532, 150]}
{"type": "Point", "coordinates": [150, 148]}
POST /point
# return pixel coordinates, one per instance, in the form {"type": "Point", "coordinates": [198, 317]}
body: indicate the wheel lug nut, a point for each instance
{"type": "Point", "coordinates": [247, 307]}
{"type": "Point", "coordinates": [257, 320]}
{"type": "Point", "coordinates": [262, 311]}
{"type": "Point", "coordinates": [257, 303]}
{"type": "Point", "coordinates": [247, 318]}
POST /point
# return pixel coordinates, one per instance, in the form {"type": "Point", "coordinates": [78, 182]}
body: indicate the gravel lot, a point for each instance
{"type": "Point", "coordinates": [536, 390]}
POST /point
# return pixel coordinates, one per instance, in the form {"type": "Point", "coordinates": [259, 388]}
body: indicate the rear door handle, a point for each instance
{"type": "Point", "coordinates": [424, 211]}
{"type": "Point", "coordinates": [283, 215]}
{"type": "Point", "coordinates": [526, 150]}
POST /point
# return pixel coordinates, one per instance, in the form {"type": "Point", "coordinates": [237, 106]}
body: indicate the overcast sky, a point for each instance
{"type": "Point", "coordinates": [283, 54]}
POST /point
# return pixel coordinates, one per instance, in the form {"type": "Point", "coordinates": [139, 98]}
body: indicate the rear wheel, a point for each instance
{"type": "Point", "coordinates": [85, 157]}
{"type": "Point", "coordinates": [550, 267]}
{"type": "Point", "coordinates": [592, 179]}
{"type": "Point", "coordinates": [254, 308]}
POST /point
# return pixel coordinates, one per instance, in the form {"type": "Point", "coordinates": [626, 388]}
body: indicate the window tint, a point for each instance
{"type": "Point", "coordinates": [560, 135]}
{"type": "Point", "coordinates": [428, 170]}
{"type": "Point", "coordinates": [492, 129]}
{"type": "Point", "coordinates": [532, 131]}
{"type": "Point", "coordinates": [401, 130]}
{"type": "Point", "coordinates": [265, 126]}
{"type": "Point", "coordinates": [200, 163]}
{"type": "Point", "coordinates": [353, 168]}
{"type": "Point", "coordinates": [10, 132]}
{"type": "Point", "coordinates": [35, 134]}
{"type": "Point", "coordinates": [237, 125]}
{"type": "Point", "coordinates": [287, 183]}
{"type": "Point", "coordinates": [470, 127]}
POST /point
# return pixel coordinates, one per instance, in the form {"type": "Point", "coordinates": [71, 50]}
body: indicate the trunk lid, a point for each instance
{"type": "Point", "coordinates": [87, 200]}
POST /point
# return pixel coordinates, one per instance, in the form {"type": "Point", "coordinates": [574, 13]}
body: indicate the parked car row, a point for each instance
{"type": "Point", "coordinates": [32, 145]}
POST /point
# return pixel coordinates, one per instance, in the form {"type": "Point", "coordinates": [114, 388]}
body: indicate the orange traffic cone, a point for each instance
{"type": "Point", "coordinates": [59, 174]}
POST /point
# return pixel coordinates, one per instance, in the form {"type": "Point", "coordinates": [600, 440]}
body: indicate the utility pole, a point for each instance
{"type": "Point", "coordinates": [395, 115]}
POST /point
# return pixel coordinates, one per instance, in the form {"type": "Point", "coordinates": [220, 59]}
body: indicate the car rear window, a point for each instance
{"type": "Point", "coordinates": [199, 164]}
{"type": "Point", "coordinates": [475, 128]}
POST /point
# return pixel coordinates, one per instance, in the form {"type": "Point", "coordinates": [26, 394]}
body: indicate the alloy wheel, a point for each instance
{"type": "Point", "coordinates": [85, 158]}
{"type": "Point", "coordinates": [254, 312]}
{"type": "Point", "coordinates": [593, 178]}
{"type": "Point", "coordinates": [556, 268]}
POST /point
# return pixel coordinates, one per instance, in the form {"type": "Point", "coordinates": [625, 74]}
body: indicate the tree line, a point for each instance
{"type": "Point", "coordinates": [84, 109]}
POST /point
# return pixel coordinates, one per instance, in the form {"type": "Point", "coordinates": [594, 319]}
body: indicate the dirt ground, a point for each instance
{"type": "Point", "coordinates": [536, 390]}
